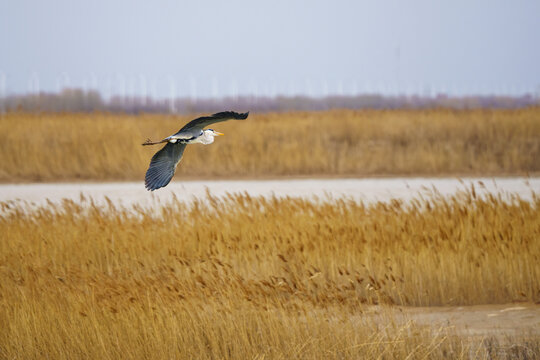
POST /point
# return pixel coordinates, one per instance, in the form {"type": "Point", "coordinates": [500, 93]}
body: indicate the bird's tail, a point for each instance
{"type": "Point", "coordinates": [150, 142]}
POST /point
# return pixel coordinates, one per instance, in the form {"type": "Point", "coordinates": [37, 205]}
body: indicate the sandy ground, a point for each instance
{"type": "Point", "coordinates": [367, 190]}
{"type": "Point", "coordinates": [502, 320]}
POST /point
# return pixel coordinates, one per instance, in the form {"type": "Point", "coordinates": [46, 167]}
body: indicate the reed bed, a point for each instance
{"type": "Point", "coordinates": [102, 146]}
{"type": "Point", "coordinates": [244, 277]}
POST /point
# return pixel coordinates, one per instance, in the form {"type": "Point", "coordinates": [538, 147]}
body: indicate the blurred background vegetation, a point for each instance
{"type": "Point", "coordinates": [357, 143]}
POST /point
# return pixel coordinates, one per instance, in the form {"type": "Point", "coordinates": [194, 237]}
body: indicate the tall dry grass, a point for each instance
{"type": "Point", "coordinates": [50, 147]}
{"type": "Point", "coordinates": [245, 277]}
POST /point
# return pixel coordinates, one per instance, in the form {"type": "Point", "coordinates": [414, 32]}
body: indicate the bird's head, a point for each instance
{"type": "Point", "coordinates": [208, 136]}
{"type": "Point", "coordinates": [212, 132]}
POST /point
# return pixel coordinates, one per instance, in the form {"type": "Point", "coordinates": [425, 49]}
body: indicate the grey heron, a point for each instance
{"type": "Point", "coordinates": [164, 162]}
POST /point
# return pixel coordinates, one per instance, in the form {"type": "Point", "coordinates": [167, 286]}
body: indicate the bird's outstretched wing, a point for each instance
{"type": "Point", "coordinates": [163, 165]}
{"type": "Point", "coordinates": [202, 122]}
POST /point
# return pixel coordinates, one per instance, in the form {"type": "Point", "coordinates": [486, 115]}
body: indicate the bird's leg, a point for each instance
{"type": "Point", "coordinates": [149, 142]}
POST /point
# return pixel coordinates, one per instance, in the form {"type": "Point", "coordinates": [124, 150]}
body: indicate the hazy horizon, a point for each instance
{"type": "Point", "coordinates": [215, 49]}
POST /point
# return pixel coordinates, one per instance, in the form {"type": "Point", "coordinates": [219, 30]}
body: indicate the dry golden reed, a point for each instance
{"type": "Point", "coordinates": [252, 278]}
{"type": "Point", "coordinates": [51, 147]}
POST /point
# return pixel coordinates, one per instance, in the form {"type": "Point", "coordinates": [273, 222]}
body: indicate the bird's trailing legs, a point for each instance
{"type": "Point", "coordinates": [150, 142]}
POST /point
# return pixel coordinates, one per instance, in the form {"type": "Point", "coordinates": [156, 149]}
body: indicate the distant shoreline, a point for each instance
{"type": "Point", "coordinates": [179, 178]}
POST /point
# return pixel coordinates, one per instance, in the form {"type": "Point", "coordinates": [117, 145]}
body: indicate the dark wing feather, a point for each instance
{"type": "Point", "coordinates": [202, 122]}
{"type": "Point", "coordinates": [163, 165]}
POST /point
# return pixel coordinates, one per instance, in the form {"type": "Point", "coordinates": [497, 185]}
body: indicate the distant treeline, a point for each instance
{"type": "Point", "coordinates": [78, 100]}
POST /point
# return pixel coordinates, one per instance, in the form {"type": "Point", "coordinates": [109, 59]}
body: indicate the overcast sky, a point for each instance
{"type": "Point", "coordinates": [206, 48]}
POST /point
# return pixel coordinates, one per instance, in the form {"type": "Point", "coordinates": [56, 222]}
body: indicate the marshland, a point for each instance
{"type": "Point", "coordinates": [248, 276]}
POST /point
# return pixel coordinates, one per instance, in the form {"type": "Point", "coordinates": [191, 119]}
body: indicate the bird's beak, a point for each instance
{"type": "Point", "coordinates": [218, 133]}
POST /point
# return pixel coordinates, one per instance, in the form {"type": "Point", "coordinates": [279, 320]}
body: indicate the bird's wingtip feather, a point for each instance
{"type": "Point", "coordinates": [231, 114]}
{"type": "Point", "coordinates": [241, 116]}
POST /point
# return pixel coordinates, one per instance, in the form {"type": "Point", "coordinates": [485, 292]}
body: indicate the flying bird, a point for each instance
{"type": "Point", "coordinates": [164, 162]}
